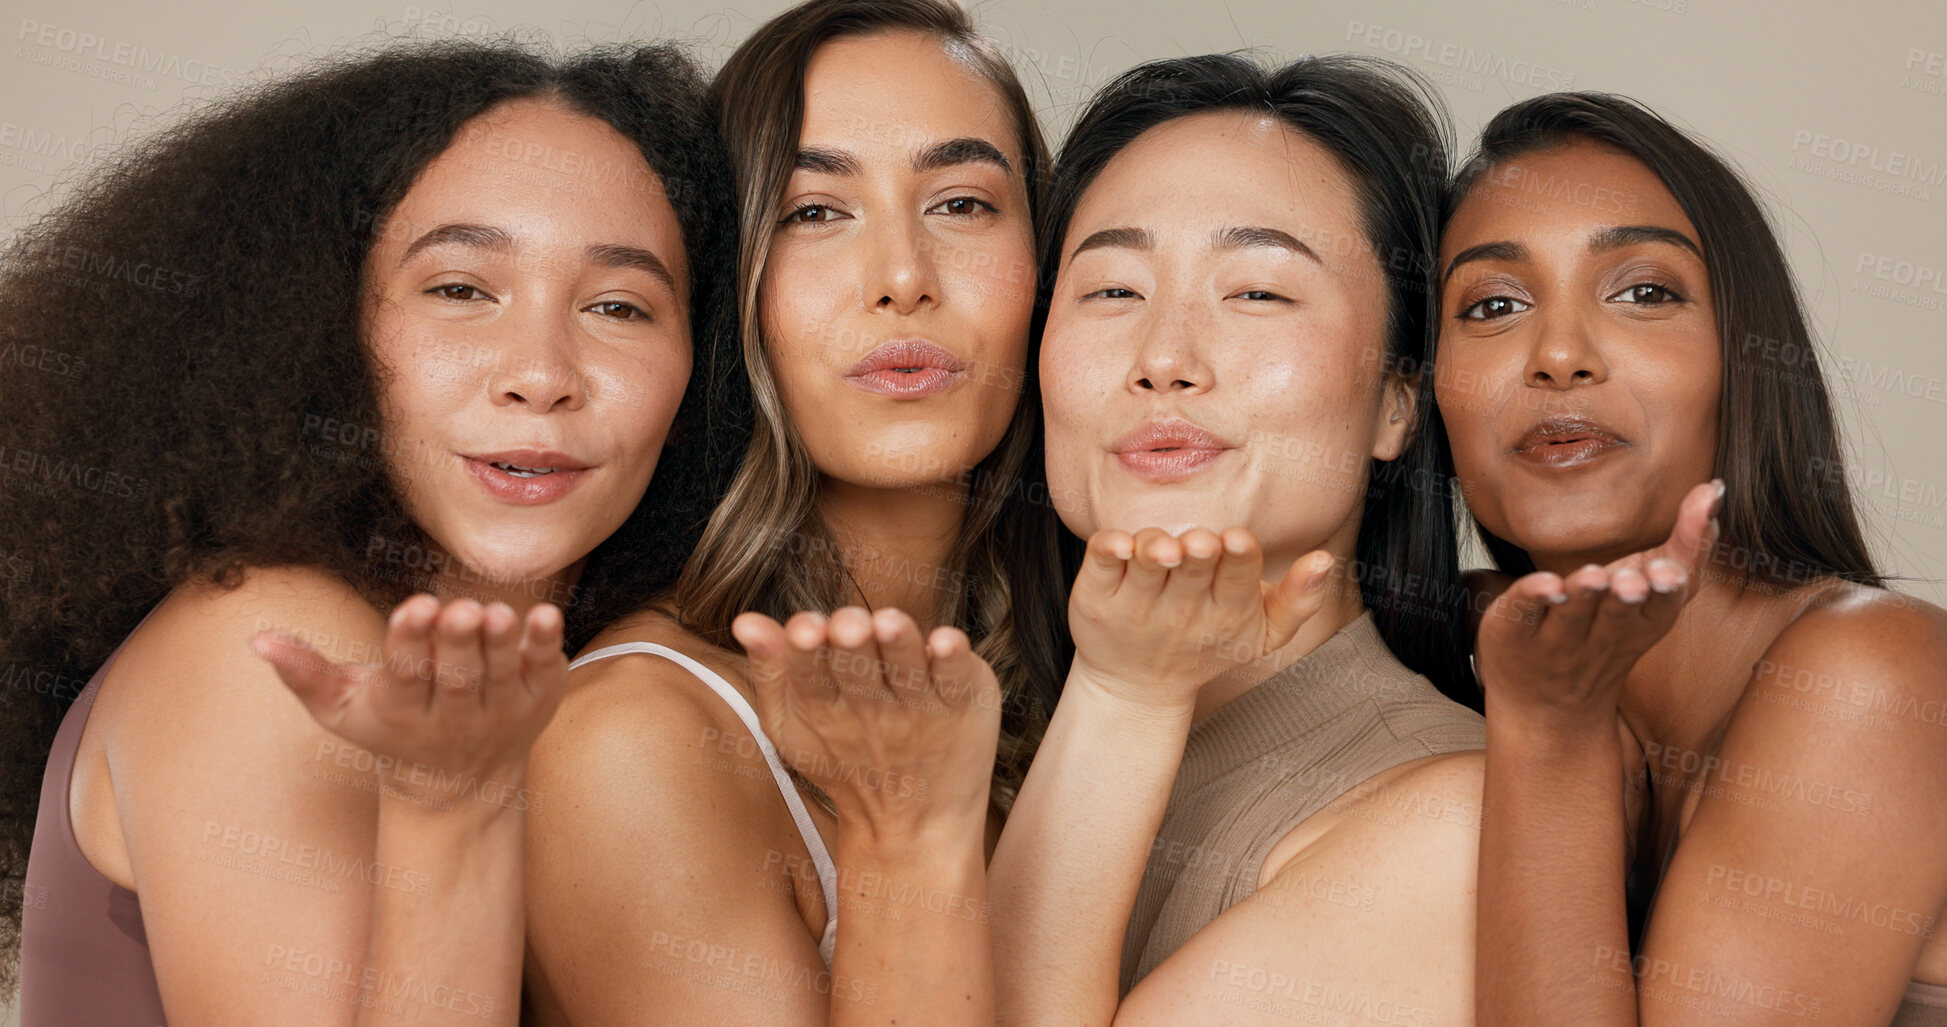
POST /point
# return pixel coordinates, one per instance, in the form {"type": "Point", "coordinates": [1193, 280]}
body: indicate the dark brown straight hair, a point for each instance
{"type": "Point", "coordinates": [766, 548]}
{"type": "Point", "coordinates": [1789, 515]}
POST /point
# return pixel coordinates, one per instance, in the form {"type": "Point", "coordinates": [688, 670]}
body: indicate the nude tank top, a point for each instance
{"type": "Point", "coordinates": [84, 956]}
{"type": "Point", "coordinates": [1265, 761]}
{"type": "Point", "coordinates": [820, 856]}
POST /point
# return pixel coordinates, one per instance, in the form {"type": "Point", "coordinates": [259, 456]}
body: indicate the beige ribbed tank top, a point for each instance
{"type": "Point", "coordinates": [1265, 761]}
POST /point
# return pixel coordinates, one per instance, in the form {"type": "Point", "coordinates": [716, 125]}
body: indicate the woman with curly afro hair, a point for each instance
{"type": "Point", "coordinates": [424, 319]}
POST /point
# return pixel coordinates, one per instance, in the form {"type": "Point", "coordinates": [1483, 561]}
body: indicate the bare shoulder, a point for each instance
{"type": "Point", "coordinates": [188, 674]}
{"type": "Point", "coordinates": [1427, 809]}
{"type": "Point", "coordinates": [644, 720]}
{"type": "Point", "coordinates": [1860, 665]}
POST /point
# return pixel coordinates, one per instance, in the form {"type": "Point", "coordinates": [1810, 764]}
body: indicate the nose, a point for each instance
{"type": "Point", "coordinates": [1565, 353]}
{"type": "Point", "coordinates": [1169, 357]}
{"type": "Point", "coordinates": [901, 276]}
{"type": "Point", "coordinates": [536, 367]}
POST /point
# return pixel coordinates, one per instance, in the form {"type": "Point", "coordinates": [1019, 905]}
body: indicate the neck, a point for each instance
{"type": "Point", "coordinates": [1683, 688]}
{"type": "Point", "coordinates": [1343, 605]}
{"type": "Point", "coordinates": [896, 544]}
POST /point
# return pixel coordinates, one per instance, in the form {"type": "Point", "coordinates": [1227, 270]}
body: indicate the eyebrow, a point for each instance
{"type": "Point", "coordinates": [619, 256]}
{"type": "Point", "coordinates": [1233, 238]}
{"type": "Point", "coordinates": [1124, 238]}
{"type": "Point", "coordinates": [1617, 236]}
{"type": "Point", "coordinates": [479, 237]}
{"type": "Point", "coordinates": [486, 237]}
{"type": "Point", "coordinates": [1509, 252]}
{"type": "Point", "coordinates": [951, 153]}
{"type": "Point", "coordinates": [964, 150]}
{"type": "Point", "coordinates": [1607, 238]}
{"type": "Point", "coordinates": [1238, 238]}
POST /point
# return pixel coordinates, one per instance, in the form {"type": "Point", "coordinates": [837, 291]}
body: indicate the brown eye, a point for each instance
{"type": "Point", "coordinates": [620, 311]}
{"type": "Point", "coordinates": [1648, 293]}
{"type": "Point", "coordinates": [809, 214]}
{"type": "Point", "coordinates": [456, 291]}
{"type": "Point", "coordinates": [1493, 307]}
{"type": "Point", "coordinates": [965, 206]}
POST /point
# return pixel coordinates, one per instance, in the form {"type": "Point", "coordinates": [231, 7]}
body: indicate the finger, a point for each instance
{"type": "Point", "coordinates": [1670, 586]}
{"type": "Point", "coordinates": [1105, 563]}
{"type": "Point", "coordinates": [1240, 569]}
{"type": "Point", "coordinates": [1523, 607]}
{"type": "Point", "coordinates": [1296, 597]}
{"type": "Point", "coordinates": [1191, 579]}
{"type": "Point", "coordinates": [1156, 552]}
{"type": "Point", "coordinates": [500, 630]}
{"type": "Point", "coordinates": [544, 666]}
{"type": "Point", "coordinates": [1617, 628]}
{"type": "Point", "coordinates": [1568, 623]}
{"type": "Point", "coordinates": [902, 654]}
{"type": "Point", "coordinates": [805, 649]}
{"type": "Point", "coordinates": [409, 666]}
{"type": "Point", "coordinates": [853, 657]}
{"type": "Point", "coordinates": [960, 677]}
{"type": "Point", "coordinates": [457, 653]}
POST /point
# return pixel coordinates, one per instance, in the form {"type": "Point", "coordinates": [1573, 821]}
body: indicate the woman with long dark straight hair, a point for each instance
{"type": "Point", "coordinates": [342, 342]}
{"type": "Point", "coordinates": [1713, 757]}
{"type": "Point", "coordinates": [887, 166]}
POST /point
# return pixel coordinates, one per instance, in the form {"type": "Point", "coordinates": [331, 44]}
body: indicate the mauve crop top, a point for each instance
{"type": "Point", "coordinates": [84, 957]}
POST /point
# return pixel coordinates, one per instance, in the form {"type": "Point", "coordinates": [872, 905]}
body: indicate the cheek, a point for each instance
{"type": "Point", "coordinates": [802, 300]}
{"type": "Point", "coordinates": [1471, 391]}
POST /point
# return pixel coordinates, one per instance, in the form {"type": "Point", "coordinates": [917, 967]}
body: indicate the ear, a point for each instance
{"type": "Point", "coordinates": [1396, 407]}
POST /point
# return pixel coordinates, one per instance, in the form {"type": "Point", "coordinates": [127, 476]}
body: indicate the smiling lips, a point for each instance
{"type": "Point", "coordinates": [1566, 442]}
{"type": "Point", "coordinates": [527, 477]}
{"type": "Point", "coordinates": [907, 369]}
{"type": "Point", "coordinates": [1167, 451]}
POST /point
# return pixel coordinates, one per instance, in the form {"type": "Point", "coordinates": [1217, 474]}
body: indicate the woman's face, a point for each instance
{"type": "Point", "coordinates": [527, 305]}
{"type": "Point", "coordinates": [1215, 352]}
{"type": "Point", "coordinates": [900, 283]}
{"type": "Point", "coordinates": [1579, 365]}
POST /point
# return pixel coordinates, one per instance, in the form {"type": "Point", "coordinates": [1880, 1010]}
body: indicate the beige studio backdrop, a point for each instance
{"type": "Point", "coordinates": [1837, 112]}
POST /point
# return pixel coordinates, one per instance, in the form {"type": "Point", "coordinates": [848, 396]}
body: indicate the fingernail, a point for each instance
{"type": "Point", "coordinates": [1317, 580]}
{"type": "Point", "coordinates": [1558, 598]}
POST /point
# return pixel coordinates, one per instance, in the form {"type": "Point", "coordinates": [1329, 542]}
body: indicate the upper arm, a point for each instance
{"type": "Point", "coordinates": [1372, 921]}
{"type": "Point", "coordinates": [1808, 877]}
{"type": "Point", "coordinates": [249, 828]}
{"type": "Point", "coordinates": [655, 878]}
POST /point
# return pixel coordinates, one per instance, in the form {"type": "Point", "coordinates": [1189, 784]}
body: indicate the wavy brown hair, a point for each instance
{"type": "Point", "coordinates": [1012, 601]}
{"type": "Point", "coordinates": [186, 388]}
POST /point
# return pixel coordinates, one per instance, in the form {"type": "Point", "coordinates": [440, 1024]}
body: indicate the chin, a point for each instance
{"type": "Point", "coordinates": [1174, 512]}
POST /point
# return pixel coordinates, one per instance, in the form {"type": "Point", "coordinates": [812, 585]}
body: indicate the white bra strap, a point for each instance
{"type": "Point", "coordinates": [820, 856]}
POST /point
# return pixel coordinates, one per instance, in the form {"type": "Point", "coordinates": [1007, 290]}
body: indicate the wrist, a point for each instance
{"type": "Point", "coordinates": [1551, 736]}
{"type": "Point", "coordinates": [1115, 697]}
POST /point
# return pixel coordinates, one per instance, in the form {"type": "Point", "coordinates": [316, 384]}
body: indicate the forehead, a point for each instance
{"type": "Point", "coordinates": [1562, 193]}
{"type": "Point", "coordinates": [892, 93]}
{"type": "Point", "coordinates": [1221, 168]}
{"type": "Point", "coordinates": [548, 172]}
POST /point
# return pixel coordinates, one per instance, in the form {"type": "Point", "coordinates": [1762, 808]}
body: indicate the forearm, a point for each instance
{"type": "Point", "coordinates": [914, 945]}
{"type": "Point", "coordinates": [1552, 925]}
{"type": "Point", "coordinates": [448, 947]}
{"type": "Point", "coordinates": [1068, 866]}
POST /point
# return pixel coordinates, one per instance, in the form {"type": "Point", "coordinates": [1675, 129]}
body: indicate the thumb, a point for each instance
{"type": "Point", "coordinates": [1696, 528]}
{"type": "Point", "coordinates": [1293, 600]}
{"type": "Point", "coordinates": [324, 687]}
